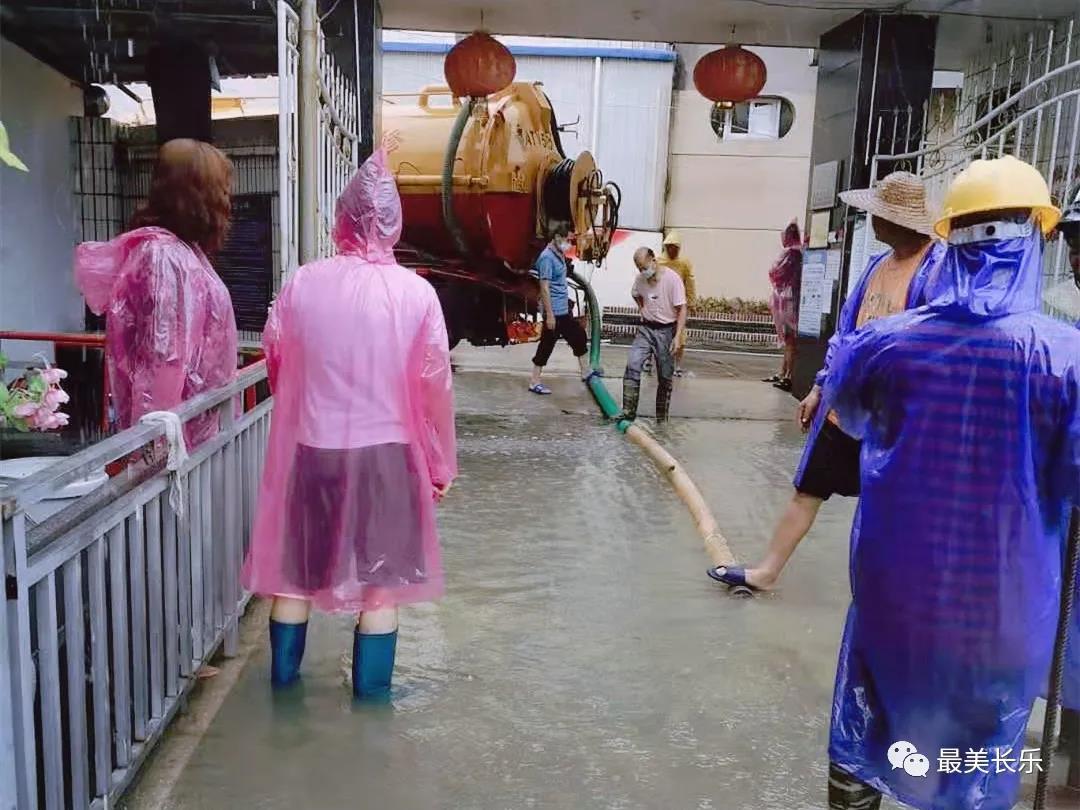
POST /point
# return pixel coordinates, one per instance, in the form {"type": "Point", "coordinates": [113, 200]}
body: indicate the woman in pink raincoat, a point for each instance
{"type": "Point", "coordinates": [362, 443]}
{"type": "Point", "coordinates": [170, 328]}
{"type": "Point", "coordinates": [784, 276]}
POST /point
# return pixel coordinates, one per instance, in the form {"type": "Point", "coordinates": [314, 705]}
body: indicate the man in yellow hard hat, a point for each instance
{"type": "Point", "coordinates": [968, 409]}
{"type": "Point", "coordinates": [674, 259]}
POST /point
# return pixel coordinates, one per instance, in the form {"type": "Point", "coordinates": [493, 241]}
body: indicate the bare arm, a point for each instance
{"type": "Point", "coordinates": [545, 297]}
{"type": "Point", "coordinates": [680, 327]}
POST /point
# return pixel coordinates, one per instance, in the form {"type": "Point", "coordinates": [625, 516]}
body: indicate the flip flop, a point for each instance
{"type": "Point", "coordinates": [775, 378]}
{"type": "Point", "coordinates": [784, 384]}
{"type": "Point", "coordinates": [733, 575]}
{"type": "Point", "coordinates": [540, 388]}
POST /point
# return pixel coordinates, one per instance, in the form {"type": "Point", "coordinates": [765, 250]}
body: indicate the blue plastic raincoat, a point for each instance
{"type": "Point", "coordinates": [846, 324]}
{"type": "Point", "coordinates": [969, 415]}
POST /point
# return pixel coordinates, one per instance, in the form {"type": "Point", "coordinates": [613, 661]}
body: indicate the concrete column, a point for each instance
{"type": "Point", "coordinates": [869, 64]}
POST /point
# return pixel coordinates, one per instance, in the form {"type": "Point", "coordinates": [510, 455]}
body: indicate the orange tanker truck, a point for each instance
{"type": "Point", "coordinates": [481, 182]}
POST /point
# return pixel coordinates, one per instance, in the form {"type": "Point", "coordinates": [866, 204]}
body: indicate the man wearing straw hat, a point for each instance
{"type": "Point", "coordinates": [891, 283]}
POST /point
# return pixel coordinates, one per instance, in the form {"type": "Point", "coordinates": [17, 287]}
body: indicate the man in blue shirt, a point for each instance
{"type": "Point", "coordinates": [550, 267]}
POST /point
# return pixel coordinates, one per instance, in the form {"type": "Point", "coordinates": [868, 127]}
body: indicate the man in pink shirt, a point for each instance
{"type": "Point", "coordinates": [661, 298]}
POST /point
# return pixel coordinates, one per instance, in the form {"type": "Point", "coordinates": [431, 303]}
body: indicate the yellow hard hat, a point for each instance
{"type": "Point", "coordinates": [995, 185]}
{"type": "Point", "coordinates": [672, 238]}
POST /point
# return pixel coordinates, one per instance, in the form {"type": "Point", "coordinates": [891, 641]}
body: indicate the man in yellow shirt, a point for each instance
{"type": "Point", "coordinates": [685, 269]}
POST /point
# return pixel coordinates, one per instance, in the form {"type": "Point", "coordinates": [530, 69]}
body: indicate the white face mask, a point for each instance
{"type": "Point", "coordinates": [991, 232]}
{"type": "Point", "coordinates": [564, 245]}
{"type": "Point", "coordinates": [648, 272]}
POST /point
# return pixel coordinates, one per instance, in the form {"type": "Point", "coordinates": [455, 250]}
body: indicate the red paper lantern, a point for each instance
{"type": "Point", "coordinates": [478, 66]}
{"type": "Point", "coordinates": [729, 75]}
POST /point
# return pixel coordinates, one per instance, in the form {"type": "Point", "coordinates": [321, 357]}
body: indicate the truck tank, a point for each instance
{"type": "Point", "coordinates": [481, 182]}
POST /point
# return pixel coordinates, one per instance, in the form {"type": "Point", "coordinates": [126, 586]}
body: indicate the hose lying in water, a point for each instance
{"type": "Point", "coordinates": [716, 545]}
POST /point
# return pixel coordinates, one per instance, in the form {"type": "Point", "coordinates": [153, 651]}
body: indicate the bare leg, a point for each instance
{"type": "Point", "coordinates": [290, 611]}
{"type": "Point", "coordinates": [535, 378]}
{"type": "Point", "coordinates": [585, 366]}
{"type": "Point", "coordinates": [377, 622]}
{"type": "Point", "coordinates": [789, 360]}
{"type": "Point", "coordinates": [796, 521]}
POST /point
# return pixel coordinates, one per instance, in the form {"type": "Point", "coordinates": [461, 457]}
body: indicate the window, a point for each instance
{"type": "Point", "coordinates": [768, 118]}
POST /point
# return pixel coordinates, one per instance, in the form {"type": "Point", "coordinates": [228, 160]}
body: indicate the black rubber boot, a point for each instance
{"type": "Point", "coordinates": [631, 393]}
{"type": "Point", "coordinates": [663, 401]}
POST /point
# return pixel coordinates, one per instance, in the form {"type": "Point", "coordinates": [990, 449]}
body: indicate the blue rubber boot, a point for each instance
{"type": "Point", "coordinates": [286, 652]}
{"type": "Point", "coordinates": [373, 664]}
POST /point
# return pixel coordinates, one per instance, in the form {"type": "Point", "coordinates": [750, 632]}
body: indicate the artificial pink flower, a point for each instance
{"type": "Point", "coordinates": [47, 420]}
{"type": "Point", "coordinates": [55, 397]}
{"type": "Point", "coordinates": [41, 418]}
{"type": "Point", "coordinates": [53, 375]}
{"type": "Point", "coordinates": [25, 410]}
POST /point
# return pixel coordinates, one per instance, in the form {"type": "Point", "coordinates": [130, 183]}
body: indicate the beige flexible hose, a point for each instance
{"type": "Point", "coordinates": [716, 545]}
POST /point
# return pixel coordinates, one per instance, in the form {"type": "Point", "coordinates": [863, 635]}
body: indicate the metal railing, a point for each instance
{"type": "Point", "coordinates": [288, 138]}
{"type": "Point", "coordinates": [1038, 123]}
{"type": "Point", "coordinates": [115, 602]}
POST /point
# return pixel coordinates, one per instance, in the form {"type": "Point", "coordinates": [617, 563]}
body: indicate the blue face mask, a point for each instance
{"type": "Point", "coordinates": [988, 276]}
{"type": "Point", "coordinates": [649, 272]}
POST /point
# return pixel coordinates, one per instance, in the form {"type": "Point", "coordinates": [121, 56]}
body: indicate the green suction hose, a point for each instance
{"type": "Point", "coordinates": [603, 397]}
{"type": "Point", "coordinates": [449, 217]}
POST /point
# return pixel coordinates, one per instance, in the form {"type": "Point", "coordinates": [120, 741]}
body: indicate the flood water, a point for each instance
{"type": "Point", "coordinates": [580, 658]}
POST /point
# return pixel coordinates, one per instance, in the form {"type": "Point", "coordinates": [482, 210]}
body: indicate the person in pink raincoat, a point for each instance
{"type": "Point", "coordinates": [784, 276]}
{"type": "Point", "coordinates": [170, 329]}
{"type": "Point", "coordinates": [362, 444]}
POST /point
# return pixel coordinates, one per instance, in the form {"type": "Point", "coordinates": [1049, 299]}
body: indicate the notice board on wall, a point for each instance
{"type": "Point", "coordinates": [812, 292]}
{"type": "Point", "coordinates": [246, 262]}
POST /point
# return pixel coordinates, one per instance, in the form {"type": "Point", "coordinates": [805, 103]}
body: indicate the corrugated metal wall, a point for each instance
{"type": "Point", "coordinates": [634, 113]}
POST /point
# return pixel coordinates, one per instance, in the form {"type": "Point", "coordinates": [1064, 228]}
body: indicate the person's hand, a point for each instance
{"type": "Point", "coordinates": [680, 341]}
{"type": "Point", "coordinates": [440, 491]}
{"type": "Point", "coordinates": [549, 322]}
{"type": "Point", "coordinates": [808, 407]}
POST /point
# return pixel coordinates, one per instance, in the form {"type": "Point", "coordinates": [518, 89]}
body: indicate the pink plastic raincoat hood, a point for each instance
{"type": "Point", "coordinates": [360, 367]}
{"type": "Point", "coordinates": [170, 328]}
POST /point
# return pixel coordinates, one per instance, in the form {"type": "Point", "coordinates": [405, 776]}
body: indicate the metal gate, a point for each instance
{"type": "Point", "coordinates": [1022, 99]}
{"type": "Point", "coordinates": [319, 134]}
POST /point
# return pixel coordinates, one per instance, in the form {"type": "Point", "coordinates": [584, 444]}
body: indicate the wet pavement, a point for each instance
{"type": "Point", "coordinates": [580, 658]}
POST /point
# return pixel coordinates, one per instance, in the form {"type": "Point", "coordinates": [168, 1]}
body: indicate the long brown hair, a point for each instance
{"type": "Point", "coordinates": [189, 194]}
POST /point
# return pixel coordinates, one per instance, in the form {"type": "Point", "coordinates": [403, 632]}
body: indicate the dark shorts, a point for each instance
{"type": "Point", "coordinates": [833, 465]}
{"type": "Point", "coordinates": [569, 329]}
{"type": "Point", "coordinates": [353, 516]}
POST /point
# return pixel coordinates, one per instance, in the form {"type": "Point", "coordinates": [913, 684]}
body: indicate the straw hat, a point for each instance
{"type": "Point", "coordinates": [899, 198]}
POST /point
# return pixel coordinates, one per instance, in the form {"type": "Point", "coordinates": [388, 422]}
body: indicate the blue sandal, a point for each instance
{"type": "Point", "coordinates": [733, 575]}
{"type": "Point", "coordinates": [540, 388]}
